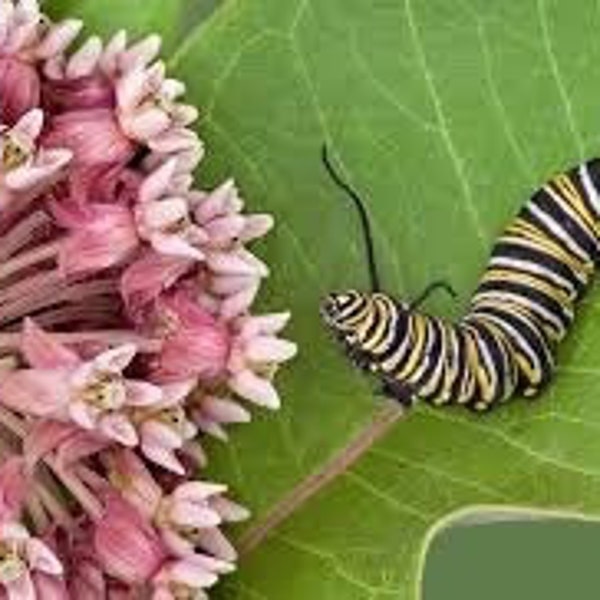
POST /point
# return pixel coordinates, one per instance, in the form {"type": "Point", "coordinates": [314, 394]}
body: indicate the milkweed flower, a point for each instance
{"type": "Point", "coordinates": [126, 322]}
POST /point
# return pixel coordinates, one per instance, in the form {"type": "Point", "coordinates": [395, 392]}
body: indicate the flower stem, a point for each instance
{"type": "Point", "coordinates": [20, 233]}
{"type": "Point", "coordinates": [29, 259]}
{"type": "Point", "coordinates": [12, 341]}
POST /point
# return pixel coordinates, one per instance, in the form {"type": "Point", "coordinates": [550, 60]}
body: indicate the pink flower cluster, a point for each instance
{"type": "Point", "coordinates": [125, 326]}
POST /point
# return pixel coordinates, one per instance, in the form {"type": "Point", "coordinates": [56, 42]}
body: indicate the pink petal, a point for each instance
{"type": "Point", "coordinates": [126, 544]}
{"type": "Point", "coordinates": [118, 427]}
{"type": "Point", "coordinates": [163, 457]}
{"type": "Point", "coordinates": [173, 140]}
{"type": "Point", "coordinates": [256, 389]}
{"type": "Point", "coordinates": [194, 451]}
{"type": "Point", "coordinates": [49, 587]}
{"type": "Point", "coordinates": [210, 427]}
{"type": "Point", "coordinates": [44, 437]}
{"type": "Point", "coordinates": [142, 53]}
{"type": "Point", "coordinates": [19, 88]}
{"type": "Point", "coordinates": [39, 173]}
{"type": "Point", "coordinates": [115, 359]}
{"type": "Point", "coordinates": [79, 446]}
{"type": "Point", "coordinates": [59, 38]}
{"type": "Point", "coordinates": [21, 588]}
{"type": "Point", "coordinates": [145, 123]}
{"type": "Point", "coordinates": [256, 226]}
{"type": "Point", "coordinates": [37, 392]}
{"type": "Point", "coordinates": [197, 491]}
{"type": "Point", "coordinates": [176, 393]}
{"type": "Point", "coordinates": [173, 88]}
{"type": "Point", "coordinates": [235, 263]}
{"type": "Point", "coordinates": [163, 213]}
{"type": "Point", "coordinates": [222, 200]}
{"type": "Point", "coordinates": [40, 557]}
{"type": "Point", "coordinates": [83, 62]}
{"type": "Point", "coordinates": [193, 574]}
{"type": "Point", "coordinates": [42, 351]}
{"type": "Point", "coordinates": [237, 304]}
{"type": "Point", "coordinates": [229, 511]}
{"type": "Point", "coordinates": [176, 543]}
{"type": "Point", "coordinates": [225, 285]}
{"type": "Point", "coordinates": [194, 515]}
{"type": "Point", "coordinates": [265, 324]}
{"type": "Point", "coordinates": [101, 242]}
{"type": "Point", "coordinates": [174, 245]}
{"type": "Point", "coordinates": [157, 183]}
{"type": "Point", "coordinates": [29, 126]}
{"type": "Point", "coordinates": [267, 349]}
{"type": "Point", "coordinates": [116, 45]}
{"type": "Point", "coordinates": [93, 135]}
{"type": "Point", "coordinates": [134, 480]}
{"type": "Point", "coordinates": [83, 414]}
{"type": "Point", "coordinates": [157, 434]}
{"type": "Point", "coordinates": [224, 411]}
{"type": "Point", "coordinates": [226, 228]}
{"type": "Point", "coordinates": [142, 393]}
{"type": "Point", "coordinates": [146, 278]}
{"type": "Point", "coordinates": [214, 564]}
{"type": "Point", "coordinates": [213, 541]}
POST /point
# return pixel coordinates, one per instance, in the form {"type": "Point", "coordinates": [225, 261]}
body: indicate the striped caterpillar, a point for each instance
{"type": "Point", "coordinates": [524, 304]}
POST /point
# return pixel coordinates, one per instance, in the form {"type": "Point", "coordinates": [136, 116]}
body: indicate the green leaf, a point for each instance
{"type": "Point", "coordinates": [445, 114]}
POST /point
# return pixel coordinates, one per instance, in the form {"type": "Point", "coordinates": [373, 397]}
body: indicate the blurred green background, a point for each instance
{"type": "Point", "coordinates": [537, 560]}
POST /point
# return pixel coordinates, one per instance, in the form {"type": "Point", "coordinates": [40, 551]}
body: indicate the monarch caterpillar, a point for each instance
{"type": "Point", "coordinates": [524, 304]}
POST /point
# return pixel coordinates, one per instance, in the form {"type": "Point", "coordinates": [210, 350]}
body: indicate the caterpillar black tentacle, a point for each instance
{"type": "Point", "coordinates": [362, 213]}
{"type": "Point", "coordinates": [432, 287]}
{"type": "Point", "coordinates": [523, 307]}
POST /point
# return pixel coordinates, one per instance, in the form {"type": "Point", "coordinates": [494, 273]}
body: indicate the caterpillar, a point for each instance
{"type": "Point", "coordinates": [505, 345]}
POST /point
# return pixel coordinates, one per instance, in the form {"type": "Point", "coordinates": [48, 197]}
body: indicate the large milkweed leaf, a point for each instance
{"type": "Point", "coordinates": [445, 114]}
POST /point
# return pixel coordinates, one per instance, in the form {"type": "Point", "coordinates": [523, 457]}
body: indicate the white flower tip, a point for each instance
{"type": "Point", "coordinates": [85, 60]}
{"type": "Point", "coordinates": [31, 123]}
{"type": "Point", "coordinates": [42, 558]}
{"type": "Point", "coordinates": [268, 349]}
{"type": "Point", "coordinates": [73, 25]}
{"type": "Point", "coordinates": [142, 53]}
{"type": "Point", "coordinates": [119, 39]}
{"type": "Point", "coordinates": [157, 71]}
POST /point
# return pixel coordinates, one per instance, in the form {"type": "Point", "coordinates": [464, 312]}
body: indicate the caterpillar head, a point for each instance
{"type": "Point", "coordinates": [343, 311]}
{"type": "Point", "coordinates": [349, 313]}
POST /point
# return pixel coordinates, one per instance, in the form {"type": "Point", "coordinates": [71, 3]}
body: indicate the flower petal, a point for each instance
{"type": "Point", "coordinates": [40, 557]}
{"type": "Point", "coordinates": [115, 359]}
{"type": "Point", "coordinates": [118, 427]}
{"type": "Point", "coordinates": [256, 389]}
{"type": "Point", "coordinates": [83, 414]}
{"type": "Point", "coordinates": [197, 491]}
{"type": "Point", "coordinates": [164, 457]}
{"type": "Point", "coordinates": [21, 588]}
{"type": "Point", "coordinates": [174, 245]}
{"type": "Point", "coordinates": [36, 392]}
{"type": "Point", "coordinates": [224, 411]}
{"type": "Point", "coordinates": [264, 348]}
{"type": "Point", "coordinates": [142, 393]}
{"type": "Point", "coordinates": [42, 351]}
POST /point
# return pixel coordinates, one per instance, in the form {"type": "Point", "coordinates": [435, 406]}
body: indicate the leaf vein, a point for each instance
{"type": "Point", "coordinates": [455, 159]}
{"type": "Point", "coordinates": [555, 69]}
